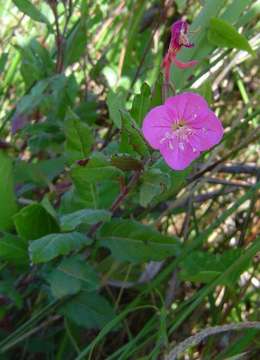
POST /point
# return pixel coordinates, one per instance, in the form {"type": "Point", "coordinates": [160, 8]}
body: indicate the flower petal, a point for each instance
{"type": "Point", "coordinates": [156, 123]}
{"type": "Point", "coordinates": [207, 132]}
{"type": "Point", "coordinates": [180, 157]}
{"type": "Point", "coordinates": [182, 65]}
{"type": "Point", "coordinates": [187, 105]}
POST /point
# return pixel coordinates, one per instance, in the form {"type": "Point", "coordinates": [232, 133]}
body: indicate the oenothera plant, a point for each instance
{"type": "Point", "coordinates": [102, 140]}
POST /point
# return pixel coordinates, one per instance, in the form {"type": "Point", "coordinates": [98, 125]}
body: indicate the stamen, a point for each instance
{"type": "Point", "coordinates": [181, 146]}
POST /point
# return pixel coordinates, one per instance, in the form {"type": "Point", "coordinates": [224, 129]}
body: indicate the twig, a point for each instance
{"type": "Point", "coordinates": [196, 339]}
{"type": "Point", "coordinates": [218, 181]}
{"type": "Point", "coordinates": [240, 168]}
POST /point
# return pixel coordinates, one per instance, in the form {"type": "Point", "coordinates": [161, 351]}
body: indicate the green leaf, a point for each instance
{"type": "Point", "coordinates": [202, 47]}
{"type": "Point", "coordinates": [177, 180]}
{"type": "Point", "coordinates": [41, 173]}
{"type": "Point", "coordinates": [13, 250]}
{"type": "Point", "coordinates": [222, 34]}
{"type": "Point", "coordinates": [53, 245]}
{"type": "Point", "coordinates": [29, 9]}
{"type": "Point", "coordinates": [126, 162]}
{"type": "Point", "coordinates": [71, 276]}
{"type": "Point", "coordinates": [7, 288]}
{"type": "Point", "coordinates": [37, 63]}
{"type": "Point", "coordinates": [8, 205]}
{"type": "Point", "coordinates": [115, 103]}
{"type": "Point", "coordinates": [76, 43]}
{"type": "Point", "coordinates": [132, 136]}
{"type": "Point", "coordinates": [89, 310]}
{"type": "Point", "coordinates": [31, 101]}
{"type": "Point", "coordinates": [156, 96]}
{"type": "Point", "coordinates": [79, 138]}
{"type": "Point", "coordinates": [205, 90]}
{"type": "Point", "coordinates": [141, 104]}
{"type": "Point", "coordinates": [33, 222]}
{"type": "Point", "coordinates": [3, 61]}
{"type": "Point", "coordinates": [86, 216]}
{"type": "Point", "coordinates": [131, 241]}
{"type": "Point", "coordinates": [96, 169]}
{"type": "Point", "coordinates": [73, 200]}
{"type": "Point", "coordinates": [205, 267]}
{"type": "Point", "coordinates": [154, 182]}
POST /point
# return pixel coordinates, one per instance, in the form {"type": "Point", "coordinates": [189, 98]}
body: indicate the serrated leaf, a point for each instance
{"type": "Point", "coordinates": [71, 276]}
{"type": "Point", "coordinates": [222, 34]}
{"type": "Point", "coordinates": [8, 206]}
{"type": "Point", "coordinates": [91, 311]}
{"type": "Point", "coordinates": [154, 182]}
{"type": "Point", "coordinates": [30, 10]}
{"type": "Point", "coordinates": [33, 222]}
{"type": "Point", "coordinates": [86, 216]}
{"type": "Point", "coordinates": [131, 241]}
{"type": "Point", "coordinates": [79, 138]}
{"type": "Point", "coordinates": [53, 245]}
{"type": "Point", "coordinates": [13, 250]}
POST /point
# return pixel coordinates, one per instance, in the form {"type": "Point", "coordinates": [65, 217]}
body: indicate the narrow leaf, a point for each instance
{"type": "Point", "coordinates": [222, 34]}
{"type": "Point", "coordinates": [30, 10]}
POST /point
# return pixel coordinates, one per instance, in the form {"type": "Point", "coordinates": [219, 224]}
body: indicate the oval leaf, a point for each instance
{"type": "Point", "coordinates": [131, 241]}
{"type": "Point", "coordinates": [53, 245]}
{"type": "Point", "coordinates": [86, 216]}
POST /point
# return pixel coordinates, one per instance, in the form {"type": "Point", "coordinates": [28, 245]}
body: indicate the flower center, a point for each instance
{"type": "Point", "coordinates": [178, 136]}
{"type": "Point", "coordinates": [180, 125]}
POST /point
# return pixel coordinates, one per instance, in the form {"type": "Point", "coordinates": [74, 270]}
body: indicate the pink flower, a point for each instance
{"type": "Point", "coordinates": [182, 128]}
{"type": "Point", "coordinates": [179, 38]}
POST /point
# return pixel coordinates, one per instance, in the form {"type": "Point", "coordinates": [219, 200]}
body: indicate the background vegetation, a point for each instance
{"type": "Point", "coordinates": [105, 252]}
